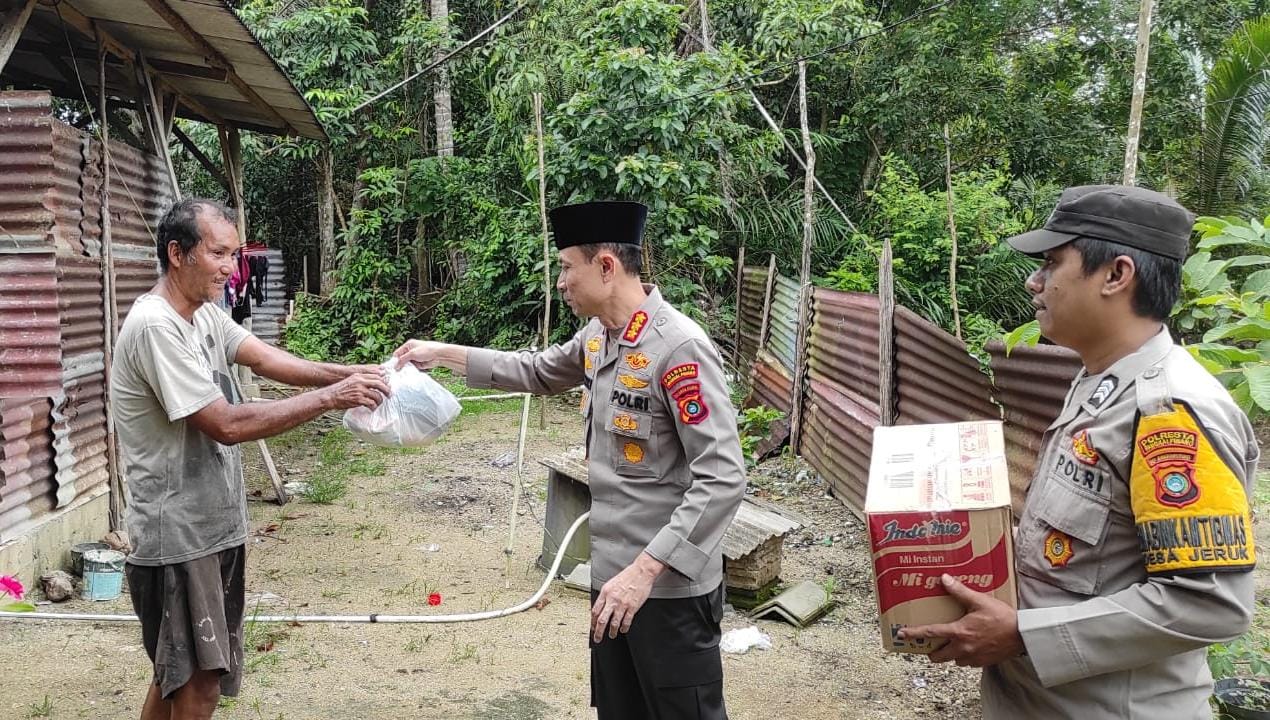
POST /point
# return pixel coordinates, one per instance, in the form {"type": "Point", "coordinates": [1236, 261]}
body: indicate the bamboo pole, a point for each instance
{"type": "Point", "coordinates": [546, 247]}
{"type": "Point", "coordinates": [952, 231]}
{"type": "Point", "coordinates": [804, 274]}
{"type": "Point", "coordinates": [118, 500]}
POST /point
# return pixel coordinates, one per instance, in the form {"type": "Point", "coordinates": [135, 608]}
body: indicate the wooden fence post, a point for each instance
{"type": "Point", "coordinates": [886, 338]}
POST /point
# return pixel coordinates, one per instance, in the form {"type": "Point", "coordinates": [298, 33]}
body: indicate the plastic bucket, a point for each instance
{"type": "Point", "coordinates": [103, 575]}
{"type": "Point", "coordinates": [77, 554]}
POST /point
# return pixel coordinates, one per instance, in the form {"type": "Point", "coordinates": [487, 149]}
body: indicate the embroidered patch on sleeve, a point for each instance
{"type": "Point", "coordinates": [635, 327]}
{"type": "Point", "coordinates": [692, 408]}
{"type": "Point", "coordinates": [679, 373]}
{"type": "Point", "coordinates": [593, 345]}
{"type": "Point", "coordinates": [586, 363]}
{"type": "Point", "coordinates": [1190, 508]}
{"type": "Point", "coordinates": [1058, 548]}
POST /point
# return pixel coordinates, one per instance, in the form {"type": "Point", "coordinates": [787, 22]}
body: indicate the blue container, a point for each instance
{"type": "Point", "coordinates": [103, 575]}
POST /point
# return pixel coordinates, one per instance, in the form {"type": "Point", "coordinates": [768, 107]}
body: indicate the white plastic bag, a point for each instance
{"type": "Point", "coordinates": [740, 640]}
{"type": "Point", "coordinates": [416, 413]}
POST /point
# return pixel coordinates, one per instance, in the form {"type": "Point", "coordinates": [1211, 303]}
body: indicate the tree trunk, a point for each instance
{"type": "Point", "coordinates": [326, 220]}
{"type": "Point", "coordinates": [1139, 92]}
{"type": "Point", "coordinates": [441, 94]}
{"type": "Point", "coordinates": [804, 274]}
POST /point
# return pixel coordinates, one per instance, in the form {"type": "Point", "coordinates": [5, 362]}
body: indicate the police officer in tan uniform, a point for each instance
{"type": "Point", "coordinates": [1135, 544]}
{"type": "Point", "coordinates": [664, 459]}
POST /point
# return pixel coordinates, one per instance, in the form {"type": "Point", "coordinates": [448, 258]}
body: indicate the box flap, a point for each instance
{"type": "Point", "coordinates": [938, 467]}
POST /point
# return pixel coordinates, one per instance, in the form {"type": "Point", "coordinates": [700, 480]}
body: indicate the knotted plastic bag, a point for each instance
{"type": "Point", "coordinates": [416, 413]}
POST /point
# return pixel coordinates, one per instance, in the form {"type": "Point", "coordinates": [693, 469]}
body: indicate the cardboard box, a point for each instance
{"type": "Point", "coordinates": [938, 502]}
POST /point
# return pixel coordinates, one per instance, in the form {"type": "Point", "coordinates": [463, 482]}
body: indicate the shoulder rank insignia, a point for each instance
{"type": "Point", "coordinates": [635, 327]}
{"type": "Point", "coordinates": [679, 373]}
{"type": "Point", "coordinates": [692, 408]}
{"type": "Point", "coordinates": [1083, 449]}
{"type": "Point", "coordinates": [1058, 548]}
{"type": "Point", "coordinates": [637, 361]}
{"type": "Point", "coordinates": [631, 381]}
{"type": "Point", "coordinates": [593, 345]}
{"type": "Point", "coordinates": [1103, 391]}
{"type": "Point", "coordinates": [1190, 508]}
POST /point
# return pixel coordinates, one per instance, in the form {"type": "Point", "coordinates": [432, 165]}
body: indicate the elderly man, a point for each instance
{"type": "Point", "coordinates": [179, 421]}
{"type": "Point", "coordinates": [1135, 545]}
{"type": "Point", "coordinates": [665, 466]}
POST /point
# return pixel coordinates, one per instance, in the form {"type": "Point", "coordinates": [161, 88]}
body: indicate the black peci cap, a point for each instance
{"type": "Point", "coordinates": [1132, 216]}
{"type": "Point", "coordinates": [598, 222]}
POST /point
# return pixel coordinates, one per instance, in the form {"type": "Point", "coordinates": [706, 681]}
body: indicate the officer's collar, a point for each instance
{"type": "Point", "coordinates": [1105, 387]}
{"type": "Point", "coordinates": [640, 320]}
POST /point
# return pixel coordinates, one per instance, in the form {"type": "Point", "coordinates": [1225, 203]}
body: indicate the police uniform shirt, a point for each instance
{"type": "Point", "coordinates": [1134, 547]}
{"type": "Point", "coordinates": [665, 467]}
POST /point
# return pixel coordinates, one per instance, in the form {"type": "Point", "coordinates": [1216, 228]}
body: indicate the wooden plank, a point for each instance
{"type": "Point", "coordinates": [202, 158]}
{"type": "Point", "coordinates": [11, 25]}
{"type": "Point", "coordinates": [886, 338]}
{"type": "Point", "coordinates": [279, 489]}
{"type": "Point", "coordinates": [216, 59]}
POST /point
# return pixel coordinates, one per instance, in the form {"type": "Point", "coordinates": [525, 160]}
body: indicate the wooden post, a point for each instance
{"type": "Point", "coordinates": [157, 125]}
{"type": "Point", "coordinates": [952, 231]}
{"type": "Point", "coordinates": [11, 25]}
{"type": "Point", "coordinates": [1139, 92]}
{"type": "Point", "coordinates": [767, 303]}
{"type": "Point", "coordinates": [118, 500]}
{"type": "Point", "coordinates": [236, 165]}
{"type": "Point", "coordinates": [804, 273]}
{"type": "Point", "coordinates": [740, 282]}
{"type": "Point", "coordinates": [546, 248]}
{"type": "Point", "coordinates": [886, 338]}
{"type": "Point", "coordinates": [326, 221]}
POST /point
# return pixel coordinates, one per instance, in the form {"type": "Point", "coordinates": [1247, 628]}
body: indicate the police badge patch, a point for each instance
{"type": "Point", "coordinates": [692, 408]}
{"type": "Point", "coordinates": [1058, 549]}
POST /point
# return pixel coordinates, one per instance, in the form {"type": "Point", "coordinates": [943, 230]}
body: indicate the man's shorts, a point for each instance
{"type": "Point", "coordinates": [192, 618]}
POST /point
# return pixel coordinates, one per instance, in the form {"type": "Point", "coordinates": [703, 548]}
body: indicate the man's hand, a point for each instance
{"type": "Point", "coordinates": [621, 597]}
{"type": "Point", "coordinates": [364, 389]}
{"type": "Point", "coordinates": [987, 634]}
{"type": "Point", "coordinates": [425, 354]}
{"type": "Point", "coordinates": [368, 369]}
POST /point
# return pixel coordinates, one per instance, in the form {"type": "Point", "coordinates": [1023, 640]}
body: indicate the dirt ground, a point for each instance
{"type": "Point", "coordinates": [437, 520]}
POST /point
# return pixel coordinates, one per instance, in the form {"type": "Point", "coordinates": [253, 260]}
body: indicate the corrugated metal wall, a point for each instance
{"type": "Point", "coordinates": [782, 323]}
{"type": "Point", "coordinates": [750, 315]}
{"type": "Point", "coordinates": [936, 381]}
{"type": "Point", "coordinates": [52, 315]}
{"type": "Point", "coordinates": [1031, 385]}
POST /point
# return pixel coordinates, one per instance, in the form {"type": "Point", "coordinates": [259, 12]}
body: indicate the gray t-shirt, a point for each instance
{"type": "Point", "coordinates": [188, 498]}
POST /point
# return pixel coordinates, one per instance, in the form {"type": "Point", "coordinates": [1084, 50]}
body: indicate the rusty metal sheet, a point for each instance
{"type": "Point", "coordinates": [79, 427]}
{"type": "Point", "coordinates": [26, 169]}
{"type": "Point", "coordinates": [1031, 385]}
{"type": "Point", "coordinates": [139, 195]}
{"type": "Point", "coordinates": [80, 304]}
{"type": "Point", "coordinates": [782, 323]}
{"type": "Point", "coordinates": [843, 348]}
{"type": "Point", "coordinates": [749, 316]}
{"type": "Point", "coordinates": [70, 150]}
{"type": "Point", "coordinates": [132, 280]}
{"type": "Point", "coordinates": [29, 326]}
{"type": "Point", "coordinates": [837, 440]}
{"type": "Point", "coordinates": [27, 469]}
{"type": "Point", "coordinates": [771, 384]}
{"type": "Point", "coordinates": [938, 380]}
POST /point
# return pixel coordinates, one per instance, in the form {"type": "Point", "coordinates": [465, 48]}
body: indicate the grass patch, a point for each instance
{"type": "Point", "coordinates": [41, 710]}
{"type": "Point", "coordinates": [339, 460]}
{"type": "Point", "coordinates": [259, 640]}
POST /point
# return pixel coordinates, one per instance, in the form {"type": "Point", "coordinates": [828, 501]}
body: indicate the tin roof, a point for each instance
{"type": "Point", "coordinates": [199, 49]}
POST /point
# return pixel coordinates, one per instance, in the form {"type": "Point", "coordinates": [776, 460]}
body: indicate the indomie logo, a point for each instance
{"type": "Point", "coordinates": [921, 530]}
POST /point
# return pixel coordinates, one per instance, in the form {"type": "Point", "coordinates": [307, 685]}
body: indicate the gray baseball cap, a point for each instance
{"type": "Point", "coordinates": [1132, 216]}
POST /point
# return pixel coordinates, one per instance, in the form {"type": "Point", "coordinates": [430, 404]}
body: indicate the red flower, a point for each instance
{"type": "Point", "coordinates": [13, 587]}
{"type": "Point", "coordinates": [434, 599]}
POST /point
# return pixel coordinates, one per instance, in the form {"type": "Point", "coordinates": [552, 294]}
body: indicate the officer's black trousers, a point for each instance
{"type": "Point", "coordinates": [667, 667]}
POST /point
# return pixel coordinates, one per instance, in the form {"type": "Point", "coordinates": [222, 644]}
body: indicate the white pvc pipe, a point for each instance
{"type": "Point", "coordinates": [520, 471]}
{"type": "Point", "coordinates": [462, 617]}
